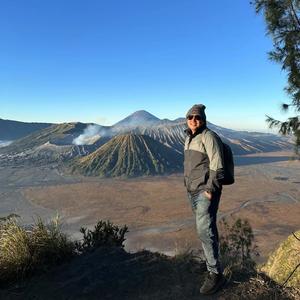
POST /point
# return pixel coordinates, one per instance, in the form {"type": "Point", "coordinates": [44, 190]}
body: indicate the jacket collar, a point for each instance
{"type": "Point", "coordinates": [188, 131]}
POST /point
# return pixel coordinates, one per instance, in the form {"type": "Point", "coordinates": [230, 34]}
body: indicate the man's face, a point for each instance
{"type": "Point", "coordinates": [194, 122]}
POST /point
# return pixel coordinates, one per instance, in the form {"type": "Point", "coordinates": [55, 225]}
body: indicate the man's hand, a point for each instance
{"type": "Point", "coordinates": [208, 195]}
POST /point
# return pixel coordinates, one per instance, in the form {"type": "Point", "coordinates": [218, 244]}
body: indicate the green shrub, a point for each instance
{"type": "Point", "coordinates": [105, 234]}
{"type": "Point", "coordinates": [237, 246]}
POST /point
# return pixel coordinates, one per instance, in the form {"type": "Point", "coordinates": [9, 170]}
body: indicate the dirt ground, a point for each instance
{"type": "Point", "coordinates": [156, 210]}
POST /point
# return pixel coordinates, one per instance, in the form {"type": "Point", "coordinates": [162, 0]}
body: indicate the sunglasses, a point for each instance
{"type": "Point", "coordinates": [196, 117]}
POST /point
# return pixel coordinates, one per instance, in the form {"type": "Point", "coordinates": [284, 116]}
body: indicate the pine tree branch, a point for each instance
{"type": "Point", "coordinates": [295, 14]}
{"type": "Point", "coordinates": [291, 275]}
{"type": "Point", "coordinates": [296, 236]}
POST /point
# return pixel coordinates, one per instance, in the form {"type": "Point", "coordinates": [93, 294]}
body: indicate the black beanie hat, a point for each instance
{"type": "Point", "coordinates": [197, 109]}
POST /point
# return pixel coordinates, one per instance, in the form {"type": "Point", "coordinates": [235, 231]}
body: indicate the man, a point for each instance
{"type": "Point", "coordinates": [203, 172]}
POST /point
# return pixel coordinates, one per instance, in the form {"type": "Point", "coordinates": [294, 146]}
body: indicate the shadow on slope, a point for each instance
{"type": "Point", "coordinates": [112, 273]}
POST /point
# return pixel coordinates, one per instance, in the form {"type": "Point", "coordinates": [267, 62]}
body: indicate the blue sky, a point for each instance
{"type": "Point", "coordinates": [98, 61]}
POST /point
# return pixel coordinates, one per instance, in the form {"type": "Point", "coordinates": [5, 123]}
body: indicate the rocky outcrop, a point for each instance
{"type": "Point", "coordinates": [284, 260]}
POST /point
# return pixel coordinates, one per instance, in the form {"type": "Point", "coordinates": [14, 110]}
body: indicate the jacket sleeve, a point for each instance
{"type": "Point", "coordinates": [214, 149]}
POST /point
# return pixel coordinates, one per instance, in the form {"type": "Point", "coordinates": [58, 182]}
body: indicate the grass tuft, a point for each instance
{"type": "Point", "coordinates": [24, 251]}
{"type": "Point", "coordinates": [15, 251]}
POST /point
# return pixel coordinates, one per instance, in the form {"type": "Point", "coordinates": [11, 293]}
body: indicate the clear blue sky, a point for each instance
{"type": "Point", "coordinates": [98, 61]}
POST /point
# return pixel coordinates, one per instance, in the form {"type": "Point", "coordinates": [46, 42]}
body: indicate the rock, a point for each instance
{"type": "Point", "coordinates": [284, 260]}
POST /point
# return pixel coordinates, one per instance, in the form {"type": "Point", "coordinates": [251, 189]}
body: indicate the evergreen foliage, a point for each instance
{"type": "Point", "coordinates": [105, 234]}
{"type": "Point", "coordinates": [283, 25]}
{"type": "Point", "coordinates": [237, 246]}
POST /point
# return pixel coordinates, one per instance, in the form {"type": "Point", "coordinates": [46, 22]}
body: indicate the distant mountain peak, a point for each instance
{"type": "Point", "coordinates": [143, 113]}
{"type": "Point", "coordinates": [138, 118]}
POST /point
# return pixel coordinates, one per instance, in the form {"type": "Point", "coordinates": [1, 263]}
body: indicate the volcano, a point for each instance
{"type": "Point", "coordinates": [129, 155]}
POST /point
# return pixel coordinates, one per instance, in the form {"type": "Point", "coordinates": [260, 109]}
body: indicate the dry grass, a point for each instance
{"type": "Point", "coordinates": [24, 251]}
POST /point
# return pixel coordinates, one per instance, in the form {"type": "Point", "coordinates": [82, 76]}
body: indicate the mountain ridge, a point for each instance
{"type": "Point", "coordinates": [66, 141]}
{"type": "Point", "coordinates": [11, 129]}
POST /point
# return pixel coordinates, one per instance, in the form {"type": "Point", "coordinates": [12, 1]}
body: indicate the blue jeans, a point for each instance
{"type": "Point", "coordinates": [205, 211]}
